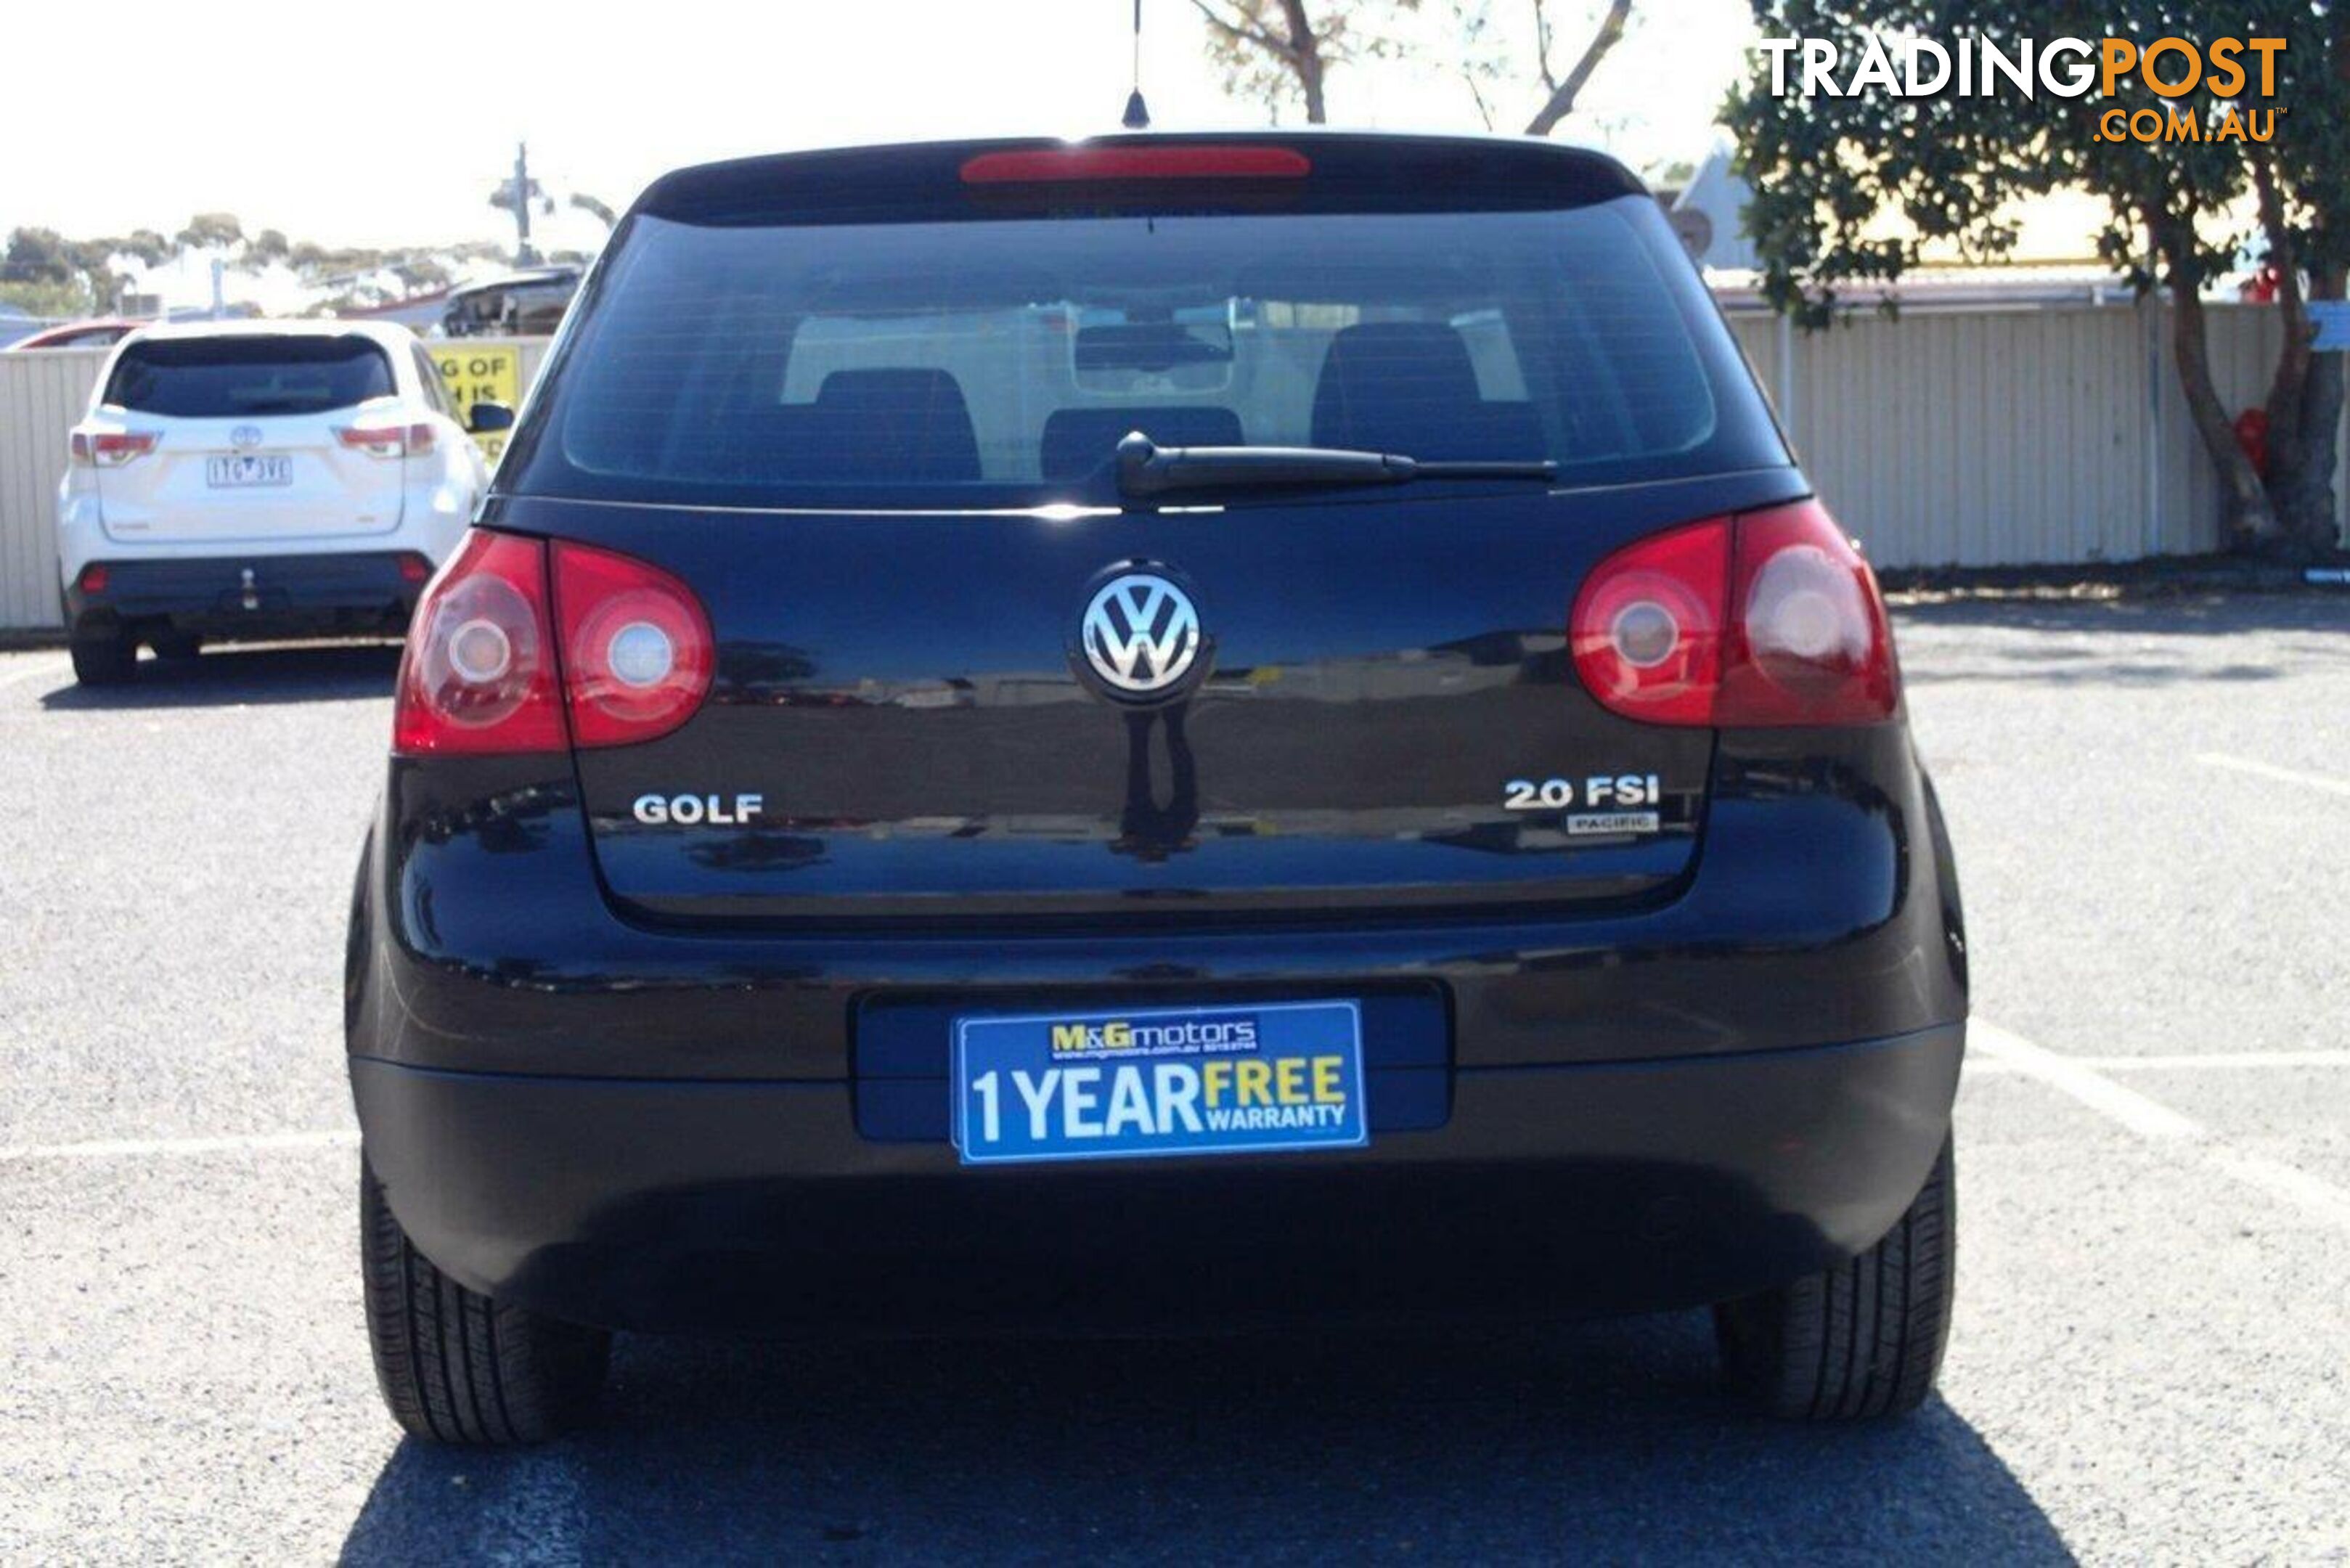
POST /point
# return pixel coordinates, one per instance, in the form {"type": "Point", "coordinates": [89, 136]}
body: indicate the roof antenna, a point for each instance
{"type": "Point", "coordinates": [1138, 113]}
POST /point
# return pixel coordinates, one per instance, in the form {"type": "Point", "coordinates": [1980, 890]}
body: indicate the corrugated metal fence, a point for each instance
{"type": "Point", "coordinates": [42, 394]}
{"type": "Point", "coordinates": [1989, 437]}
{"type": "Point", "coordinates": [2010, 437]}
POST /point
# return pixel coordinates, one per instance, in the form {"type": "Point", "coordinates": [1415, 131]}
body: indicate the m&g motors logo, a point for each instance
{"type": "Point", "coordinates": [1154, 1036]}
{"type": "Point", "coordinates": [2239, 73]}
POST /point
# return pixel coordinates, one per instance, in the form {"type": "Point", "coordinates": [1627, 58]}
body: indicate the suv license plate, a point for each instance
{"type": "Point", "coordinates": [237, 472]}
{"type": "Point", "coordinates": [1271, 1077]}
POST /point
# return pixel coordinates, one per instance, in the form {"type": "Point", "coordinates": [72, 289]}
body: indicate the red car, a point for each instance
{"type": "Point", "coordinates": [99, 332]}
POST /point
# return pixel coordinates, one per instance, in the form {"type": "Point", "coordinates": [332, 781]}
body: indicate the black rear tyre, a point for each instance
{"type": "Point", "coordinates": [108, 656]}
{"type": "Point", "coordinates": [456, 1366]}
{"type": "Point", "coordinates": [1860, 1340]}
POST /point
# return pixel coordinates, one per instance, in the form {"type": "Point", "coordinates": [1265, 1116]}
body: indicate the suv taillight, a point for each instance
{"type": "Point", "coordinates": [481, 672]}
{"type": "Point", "coordinates": [386, 440]}
{"type": "Point", "coordinates": [1768, 619]}
{"type": "Point", "coordinates": [110, 449]}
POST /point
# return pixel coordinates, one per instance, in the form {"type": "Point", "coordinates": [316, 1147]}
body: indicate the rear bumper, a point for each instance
{"type": "Point", "coordinates": [757, 1205]}
{"type": "Point", "coordinates": [1634, 1106]}
{"type": "Point", "coordinates": [228, 595]}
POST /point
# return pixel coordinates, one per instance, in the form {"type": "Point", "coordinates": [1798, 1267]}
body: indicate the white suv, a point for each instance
{"type": "Point", "coordinates": [259, 479]}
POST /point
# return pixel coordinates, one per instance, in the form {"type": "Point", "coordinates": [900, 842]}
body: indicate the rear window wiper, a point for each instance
{"type": "Point", "coordinates": [1145, 468]}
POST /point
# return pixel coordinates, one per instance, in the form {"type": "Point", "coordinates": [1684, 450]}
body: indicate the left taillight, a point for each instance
{"type": "Point", "coordinates": [523, 646]}
{"type": "Point", "coordinates": [379, 439]}
{"type": "Point", "coordinates": [478, 675]}
{"type": "Point", "coordinates": [1646, 631]}
{"type": "Point", "coordinates": [110, 449]}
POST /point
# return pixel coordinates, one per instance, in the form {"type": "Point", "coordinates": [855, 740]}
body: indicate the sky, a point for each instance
{"type": "Point", "coordinates": [357, 125]}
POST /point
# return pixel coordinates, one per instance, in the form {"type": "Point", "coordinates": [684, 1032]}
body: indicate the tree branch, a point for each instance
{"type": "Point", "coordinates": [2289, 449]}
{"type": "Point", "coordinates": [2246, 513]}
{"type": "Point", "coordinates": [2292, 364]}
{"type": "Point", "coordinates": [1246, 31]}
{"type": "Point", "coordinates": [1561, 102]}
{"type": "Point", "coordinates": [1305, 57]}
{"type": "Point", "coordinates": [1477, 93]}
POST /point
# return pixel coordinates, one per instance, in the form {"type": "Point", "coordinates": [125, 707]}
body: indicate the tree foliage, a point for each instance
{"type": "Point", "coordinates": [37, 274]}
{"type": "Point", "coordinates": [211, 232]}
{"type": "Point", "coordinates": [42, 270]}
{"type": "Point", "coordinates": [46, 273]}
{"type": "Point", "coordinates": [1854, 190]}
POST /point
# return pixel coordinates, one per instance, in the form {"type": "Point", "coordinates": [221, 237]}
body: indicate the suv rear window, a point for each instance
{"type": "Point", "coordinates": [228, 378]}
{"type": "Point", "coordinates": [1006, 358]}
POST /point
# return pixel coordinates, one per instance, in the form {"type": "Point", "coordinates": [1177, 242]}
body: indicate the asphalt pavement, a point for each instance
{"type": "Point", "coordinates": [2152, 804]}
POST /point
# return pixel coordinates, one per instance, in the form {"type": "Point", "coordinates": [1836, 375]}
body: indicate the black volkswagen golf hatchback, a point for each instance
{"type": "Point", "coordinates": [1149, 733]}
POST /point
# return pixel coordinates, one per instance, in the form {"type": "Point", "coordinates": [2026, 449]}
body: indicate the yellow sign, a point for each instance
{"type": "Point", "coordinates": [484, 373]}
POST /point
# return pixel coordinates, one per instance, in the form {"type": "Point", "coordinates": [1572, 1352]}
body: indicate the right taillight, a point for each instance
{"type": "Point", "coordinates": [1809, 641]}
{"type": "Point", "coordinates": [1767, 620]}
{"type": "Point", "coordinates": [379, 439]}
{"type": "Point", "coordinates": [520, 645]}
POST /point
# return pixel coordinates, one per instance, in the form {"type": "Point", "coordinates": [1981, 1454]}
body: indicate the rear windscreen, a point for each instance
{"type": "Point", "coordinates": [1003, 360]}
{"type": "Point", "coordinates": [226, 378]}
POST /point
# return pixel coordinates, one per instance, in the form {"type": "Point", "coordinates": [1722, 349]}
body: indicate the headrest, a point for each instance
{"type": "Point", "coordinates": [1384, 382]}
{"type": "Point", "coordinates": [879, 425]}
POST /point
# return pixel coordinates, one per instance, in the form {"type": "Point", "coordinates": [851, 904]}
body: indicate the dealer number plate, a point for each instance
{"type": "Point", "coordinates": [1274, 1077]}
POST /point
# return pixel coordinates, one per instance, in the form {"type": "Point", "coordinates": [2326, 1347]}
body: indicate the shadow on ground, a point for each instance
{"type": "Point", "coordinates": [2125, 643]}
{"type": "Point", "coordinates": [2317, 610]}
{"type": "Point", "coordinates": [1603, 1440]}
{"type": "Point", "coordinates": [229, 676]}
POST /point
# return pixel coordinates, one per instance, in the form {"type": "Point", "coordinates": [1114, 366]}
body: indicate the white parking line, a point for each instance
{"type": "Point", "coordinates": [142, 1148]}
{"type": "Point", "coordinates": [2201, 1060]}
{"type": "Point", "coordinates": [2118, 1101]}
{"type": "Point", "coordinates": [34, 670]}
{"type": "Point", "coordinates": [2189, 1061]}
{"type": "Point", "coordinates": [2158, 1122]}
{"type": "Point", "coordinates": [2271, 770]}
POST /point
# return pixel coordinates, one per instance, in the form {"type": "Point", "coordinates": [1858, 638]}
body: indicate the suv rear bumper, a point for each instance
{"type": "Point", "coordinates": [253, 595]}
{"type": "Point", "coordinates": [756, 1206]}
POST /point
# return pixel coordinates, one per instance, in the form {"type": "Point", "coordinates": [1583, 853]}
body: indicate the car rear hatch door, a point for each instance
{"type": "Point", "coordinates": [258, 441]}
{"type": "Point", "coordinates": [905, 723]}
{"type": "Point", "coordinates": [868, 407]}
